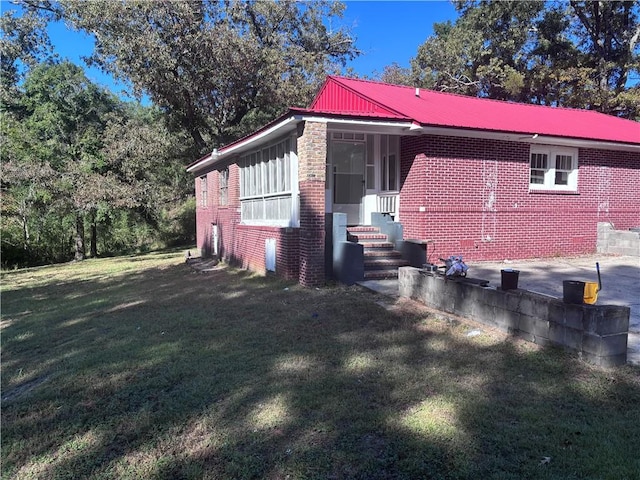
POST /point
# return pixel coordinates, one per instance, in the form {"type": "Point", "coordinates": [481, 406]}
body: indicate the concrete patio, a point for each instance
{"type": "Point", "coordinates": [620, 283]}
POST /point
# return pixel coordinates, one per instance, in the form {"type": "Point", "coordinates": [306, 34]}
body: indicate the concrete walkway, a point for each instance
{"type": "Point", "coordinates": [620, 283]}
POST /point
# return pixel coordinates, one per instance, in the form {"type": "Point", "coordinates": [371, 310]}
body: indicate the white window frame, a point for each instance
{"type": "Point", "coordinates": [549, 175]}
{"type": "Point", "coordinates": [223, 187]}
{"type": "Point", "coordinates": [389, 146]}
{"type": "Point", "coordinates": [269, 182]}
{"type": "Point", "coordinates": [204, 191]}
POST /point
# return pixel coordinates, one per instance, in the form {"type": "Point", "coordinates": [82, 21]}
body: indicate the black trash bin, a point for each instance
{"type": "Point", "coordinates": [509, 279]}
{"type": "Point", "coordinates": [573, 292]}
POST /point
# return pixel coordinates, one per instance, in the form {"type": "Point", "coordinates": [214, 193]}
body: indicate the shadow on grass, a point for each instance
{"type": "Point", "coordinates": [165, 373]}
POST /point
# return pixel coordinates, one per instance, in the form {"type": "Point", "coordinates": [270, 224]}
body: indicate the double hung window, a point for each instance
{"type": "Point", "coordinates": [223, 186]}
{"type": "Point", "coordinates": [553, 168]}
{"type": "Point", "coordinates": [203, 191]}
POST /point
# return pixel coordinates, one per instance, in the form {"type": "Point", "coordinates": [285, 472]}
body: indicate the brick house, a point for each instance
{"type": "Point", "coordinates": [481, 178]}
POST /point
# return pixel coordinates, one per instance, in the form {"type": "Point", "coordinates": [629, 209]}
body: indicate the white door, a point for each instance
{"type": "Point", "coordinates": [348, 163]}
{"type": "Point", "coordinates": [215, 240]}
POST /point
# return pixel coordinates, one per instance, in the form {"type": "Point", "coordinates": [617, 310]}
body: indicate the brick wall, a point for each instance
{"type": "Point", "coordinates": [472, 197]}
{"type": "Point", "coordinates": [242, 245]}
{"type": "Point", "coordinates": [312, 155]}
{"type": "Point", "coordinates": [469, 195]}
{"type": "Point", "coordinates": [204, 215]}
{"type": "Point", "coordinates": [249, 243]}
{"type": "Point", "coordinates": [299, 251]}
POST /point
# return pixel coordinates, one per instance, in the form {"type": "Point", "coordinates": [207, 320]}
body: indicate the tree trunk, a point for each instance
{"type": "Point", "coordinates": [80, 252]}
{"type": "Point", "coordinates": [93, 247]}
{"type": "Point", "coordinates": [25, 233]}
{"type": "Point", "coordinates": [197, 138]}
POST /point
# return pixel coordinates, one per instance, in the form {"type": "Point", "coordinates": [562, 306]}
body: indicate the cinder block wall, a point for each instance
{"type": "Point", "coordinates": [472, 197]}
{"type": "Point", "coordinates": [597, 332]}
{"type": "Point", "coordinates": [617, 242]}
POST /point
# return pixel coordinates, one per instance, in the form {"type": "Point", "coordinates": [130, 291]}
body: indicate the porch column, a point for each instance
{"type": "Point", "coordinates": [312, 156]}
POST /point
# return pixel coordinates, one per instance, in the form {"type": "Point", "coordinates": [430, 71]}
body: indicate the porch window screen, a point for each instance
{"type": "Point", "coordinates": [371, 163]}
{"type": "Point", "coordinates": [389, 165]}
{"type": "Point", "coordinates": [266, 185]}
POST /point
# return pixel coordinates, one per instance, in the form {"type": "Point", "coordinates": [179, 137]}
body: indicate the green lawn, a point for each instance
{"type": "Point", "coordinates": [139, 367]}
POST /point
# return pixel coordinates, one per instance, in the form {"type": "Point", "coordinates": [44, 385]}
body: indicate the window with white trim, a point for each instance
{"type": "Point", "coordinates": [389, 165]}
{"type": "Point", "coordinates": [553, 168]}
{"type": "Point", "coordinates": [203, 191]}
{"type": "Point", "coordinates": [266, 194]}
{"type": "Point", "coordinates": [223, 187]}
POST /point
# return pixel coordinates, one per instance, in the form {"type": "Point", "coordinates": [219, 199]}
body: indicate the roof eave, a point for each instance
{"type": "Point", "coordinates": [287, 123]}
{"type": "Point", "coordinates": [526, 137]}
{"type": "Point", "coordinates": [279, 126]}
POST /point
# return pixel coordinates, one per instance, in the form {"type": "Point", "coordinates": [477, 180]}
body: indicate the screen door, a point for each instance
{"type": "Point", "coordinates": [348, 161]}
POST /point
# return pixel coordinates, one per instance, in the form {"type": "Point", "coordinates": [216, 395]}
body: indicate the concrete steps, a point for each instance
{"type": "Point", "coordinates": [381, 260]}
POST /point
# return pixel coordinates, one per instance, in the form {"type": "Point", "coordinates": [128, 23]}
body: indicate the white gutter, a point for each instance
{"type": "Point", "coordinates": [216, 156]}
{"type": "Point", "coordinates": [284, 126]}
{"type": "Point", "coordinates": [577, 142]}
{"type": "Point", "coordinates": [360, 122]}
{"type": "Point", "coordinates": [202, 163]}
{"type": "Point", "coordinates": [535, 138]}
{"type": "Point", "coordinates": [409, 128]}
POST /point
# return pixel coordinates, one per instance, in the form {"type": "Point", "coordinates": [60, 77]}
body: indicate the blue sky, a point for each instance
{"type": "Point", "coordinates": [392, 31]}
{"type": "Point", "coordinates": [386, 32]}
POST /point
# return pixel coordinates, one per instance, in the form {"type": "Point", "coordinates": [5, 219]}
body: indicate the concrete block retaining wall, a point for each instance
{"type": "Point", "coordinates": [617, 242]}
{"type": "Point", "coordinates": [597, 332]}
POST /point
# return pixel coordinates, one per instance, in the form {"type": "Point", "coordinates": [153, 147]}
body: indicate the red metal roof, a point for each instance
{"type": "Point", "coordinates": [361, 99]}
{"type": "Point", "coordinates": [429, 108]}
{"type": "Point", "coordinates": [336, 97]}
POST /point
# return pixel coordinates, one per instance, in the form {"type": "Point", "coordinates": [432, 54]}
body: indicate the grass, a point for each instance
{"type": "Point", "coordinates": [139, 367]}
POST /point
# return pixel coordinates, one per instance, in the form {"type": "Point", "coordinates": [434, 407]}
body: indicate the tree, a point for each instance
{"type": "Point", "coordinates": [67, 116]}
{"type": "Point", "coordinates": [150, 158]}
{"type": "Point", "coordinates": [25, 192]}
{"type": "Point", "coordinates": [609, 34]}
{"type": "Point", "coordinates": [23, 45]}
{"type": "Point", "coordinates": [482, 53]}
{"type": "Point", "coordinates": [218, 69]}
{"type": "Point", "coordinates": [78, 160]}
{"type": "Point", "coordinates": [396, 75]}
{"type": "Point", "coordinates": [580, 54]}
{"type": "Point", "coordinates": [52, 155]}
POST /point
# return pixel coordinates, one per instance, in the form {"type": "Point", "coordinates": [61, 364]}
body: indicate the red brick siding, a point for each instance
{"type": "Point", "coordinates": [250, 243]}
{"type": "Point", "coordinates": [475, 199]}
{"type": "Point", "coordinates": [299, 252]}
{"type": "Point", "coordinates": [242, 245]}
{"type": "Point", "coordinates": [473, 193]}
{"type": "Point", "coordinates": [312, 155]}
{"type": "Point", "coordinates": [312, 233]}
{"type": "Point", "coordinates": [204, 215]}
